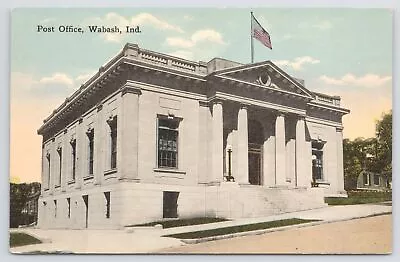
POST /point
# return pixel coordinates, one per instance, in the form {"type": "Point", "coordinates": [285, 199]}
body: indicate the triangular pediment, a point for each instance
{"type": "Point", "coordinates": [264, 75]}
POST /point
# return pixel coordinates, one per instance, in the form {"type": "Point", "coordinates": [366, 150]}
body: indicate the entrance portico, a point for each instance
{"type": "Point", "coordinates": [262, 142]}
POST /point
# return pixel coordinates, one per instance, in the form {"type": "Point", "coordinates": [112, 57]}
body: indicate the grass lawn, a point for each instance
{"type": "Point", "coordinates": [238, 229]}
{"type": "Point", "coordinates": [359, 197]}
{"type": "Point", "coordinates": [21, 239]}
{"type": "Point", "coordinates": [184, 222]}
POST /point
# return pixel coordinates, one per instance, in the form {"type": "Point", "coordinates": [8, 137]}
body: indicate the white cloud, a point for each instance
{"type": "Point", "coordinates": [55, 85]}
{"type": "Point", "coordinates": [57, 78]}
{"type": "Point", "coordinates": [323, 25]}
{"type": "Point", "coordinates": [84, 77]}
{"type": "Point", "coordinates": [142, 19]}
{"type": "Point", "coordinates": [183, 54]}
{"type": "Point", "coordinates": [297, 63]}
{"type": "Point", "coordinates": [146, 18]}
{"type": "Point", "coordinates": [179, 42]}
{"type": "Point", "coordinates": [205, 35]}
{"type": "Point", "coordinates": [368, 80]}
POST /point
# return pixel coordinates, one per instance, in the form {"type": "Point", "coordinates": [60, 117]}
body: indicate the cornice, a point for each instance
{"type": "Point", "coordinates": [341, 110]}
{"type": "Point", "coordinates": [130, 89]}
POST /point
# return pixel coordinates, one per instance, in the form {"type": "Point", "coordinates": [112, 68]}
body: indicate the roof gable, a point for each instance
{"type": "Point", "coordinates": [266, 75]}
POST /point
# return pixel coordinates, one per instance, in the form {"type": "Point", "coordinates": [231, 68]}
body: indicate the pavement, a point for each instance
{"type": "Point", "coordinates": [90, 241]}
{"type": "Point", "coordinates": [370, 235]}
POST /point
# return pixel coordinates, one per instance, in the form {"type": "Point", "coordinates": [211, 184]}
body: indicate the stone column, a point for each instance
{"type": "Point", "coordinates": [130, 132]}
{"type": "Point", "coordinates": [65, 161]}
{"type": "Point", "coordinates": [217, 145]}
{"type": "Point", "coordinates": [52, 169]}
{"type": "Point", "coordinates": [203, 164]}
{"type": "Point", "coordinates": [269, 156]}
{"type": "Point", "coordinates": [301, 170]}
{"type": "Point", "coordinates": [290, 158]}
{"type": "Point", "coordinates": [280, 152]}
{"type": "Point", "coordinates": [81, 163]}
{"type": "Point", "coordinates": [43, 173]}
{"type": "Point", "coordinates": [242, 174]}
{"type": "Point", "coordinates": [98, 167]}
{"type": "Point", "coordinates": [340, 174]}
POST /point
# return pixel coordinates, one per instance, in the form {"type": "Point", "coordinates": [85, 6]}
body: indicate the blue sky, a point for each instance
{"type": "Point", "coordinates": [345, 52]}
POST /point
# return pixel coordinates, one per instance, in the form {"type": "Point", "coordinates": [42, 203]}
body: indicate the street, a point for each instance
{"type": "Point", "coordinates": [345, 229]}
{"type": "Point", "coordinates": [365, 235]}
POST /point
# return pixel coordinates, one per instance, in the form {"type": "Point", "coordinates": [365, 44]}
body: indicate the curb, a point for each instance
{"type": "Point", "coordinates": [276, 229]}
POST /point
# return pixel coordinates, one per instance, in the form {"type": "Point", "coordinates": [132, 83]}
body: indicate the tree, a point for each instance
{"type": "Point", "coordinates": [18, 197]}
{"type": "Point", "coordinates": [352, 161]}
{"type": "Point", "coordinates": [384, 144]}
{"type": "Point", "coordinates": [371, 154]}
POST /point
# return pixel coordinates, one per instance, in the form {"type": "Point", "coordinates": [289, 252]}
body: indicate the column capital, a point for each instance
{"type": "Point", "coordinates": [339, 129]}
{"type": "Point", "coordinates": [130, 88]}
{"type": "Point", "coordinates": [244, 105]}
{"type": "Point", "coordinates": [301, 117]}
{"type": "Point", "coordinates": [280, 113]}
{"type": "Point", "coordinates": [203, 103]}
{"type": "Point", "coordinates": [99, 107]}
{"type": "Point", "coordinates": [217, 100]}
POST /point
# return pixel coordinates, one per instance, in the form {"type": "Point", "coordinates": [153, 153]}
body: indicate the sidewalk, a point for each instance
{"type": "Point", "coordinates": [119, 241]}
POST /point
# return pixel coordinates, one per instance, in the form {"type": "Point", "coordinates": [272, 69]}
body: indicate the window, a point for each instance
{"type": "Point", "coordinates": [112, 122]}
{"type": "Point", "coordinates": [59, 151]}
{"type": "Point", "coordinates": [376, 180]}
{"type": "Point", "coordinates": [366, 179]}
{"type": "Point", "coordinates": [317, 160]}
{"type": "Point", "coordinates": [69, 207]}
{"type": "Point", "coordinates": [48, 169]}
{"type": "Point", "coordinates": [55, 208]}
{"type": "Point", "coordinates": [170, 204]}
{"type": "Point", "coordinates": [73, 156]}
{"type": "Point", "coordinates": [108, 203]}
{"type": "Point", "coordinates": [168, 142]}
{"type": "Point", "coordinates": [90, 135]}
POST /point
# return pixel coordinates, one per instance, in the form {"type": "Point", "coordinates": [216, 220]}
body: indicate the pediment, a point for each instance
{"type": "Point", "coordinates": [264, 75]}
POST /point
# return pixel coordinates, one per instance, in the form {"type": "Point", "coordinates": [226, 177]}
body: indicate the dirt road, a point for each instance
{"type": "Point", "coordinates": [366, 235]}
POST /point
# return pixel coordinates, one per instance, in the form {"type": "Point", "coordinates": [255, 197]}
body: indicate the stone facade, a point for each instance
{"type": "Point", "coordinates": [153, 137]}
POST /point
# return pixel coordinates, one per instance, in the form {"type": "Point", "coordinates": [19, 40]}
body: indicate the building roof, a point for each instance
{"type": "Point", "coordinates": [131, 53]}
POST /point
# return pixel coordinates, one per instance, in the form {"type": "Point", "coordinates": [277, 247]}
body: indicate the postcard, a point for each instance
{"type": "Point", "coordinates": [201, 131]}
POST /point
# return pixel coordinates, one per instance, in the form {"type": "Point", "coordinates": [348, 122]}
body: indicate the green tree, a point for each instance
{"type": "Point", "coordinates": [384, 144]}
{"type": "Point", "coordinates": [372, 154]}
{"type": "Point", "coordinates": [352, 161]}
{"type": "Point", "coordinates": [18, 197]}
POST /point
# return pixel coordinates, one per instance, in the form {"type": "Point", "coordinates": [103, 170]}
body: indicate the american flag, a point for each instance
{"type": "Point", "coordinates": [259, 33]}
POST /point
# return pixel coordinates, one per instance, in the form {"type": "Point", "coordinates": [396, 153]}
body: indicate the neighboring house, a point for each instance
{"type": "Point", "coordinates": [30, 210]}
{"type": "Point", "coordinates": [373, 181]}
{"type": "Point", "coordinates": [152, 137]}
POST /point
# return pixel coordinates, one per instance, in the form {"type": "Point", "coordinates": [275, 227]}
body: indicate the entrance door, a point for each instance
{"type": "Point", "coordinates": [86, 200]}
{"type": "Point", "coordinates": [170, 204]}
{"type": "Point", "coordinates": [256, 141]}
{"type": "Point", "coordinates": [255, 166]}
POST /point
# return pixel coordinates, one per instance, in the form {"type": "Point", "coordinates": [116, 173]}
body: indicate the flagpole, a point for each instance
{"type": "Point", "coordinates": [251, 37]}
